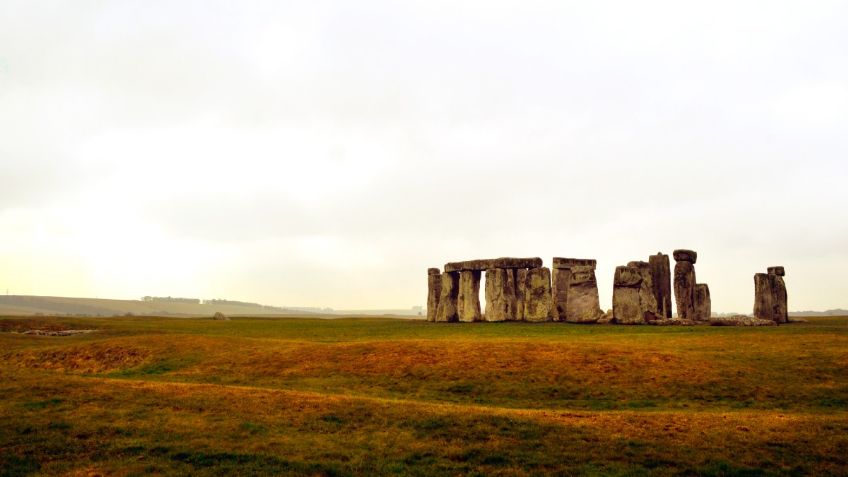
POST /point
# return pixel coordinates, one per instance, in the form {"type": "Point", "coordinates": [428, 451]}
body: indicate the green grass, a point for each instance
{"type": "Point", "coordinates": [376, 396]}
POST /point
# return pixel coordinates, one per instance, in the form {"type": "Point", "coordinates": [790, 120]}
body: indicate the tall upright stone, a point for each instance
{"type": "Point", "coordinates": [575, 290]}
{"type": "Point", "coordinates": [703, 303]}
{"type": "Point", "coordinates": [560, 281]}
{"type": "Point", "coordinates": [448, 308]}
{"type": "Point", "coordinates": [661, 279]}
{"type": "Point", "coordinates": [647, 299]}
{"type": "Point", "coordinates": [684, 283]}
{"type": "Point", "coordinates": [626, 304]}
{"type": "Point", "coordinates": [770, 297]}
{"type": "Point", "coordinates": [763, 297]}
{"type": "Point", "coordinates": [538, 304]}
{"type": "Point", "coordinates": [779, 295]}
{"type": "Point", "coordinates": [500, 295]}
{"type": "Point", "coordinates": [434, 291]}
{"type": "Point", "coordinates": [469, 296]}
{"type": "Point", "coordinates": [520, 292]}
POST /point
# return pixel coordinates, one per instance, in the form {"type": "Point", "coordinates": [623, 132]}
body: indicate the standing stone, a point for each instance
{"type": "Point", "coordinates": [647, 299]}
{"type": "Point", "coordinates": [778, 290]}
{"type": "Point", "coordinates": [763, 297]}
{"type": "Point", "coordinates": [538, 305]}
{"type": "Point", "coordinates": [434, 291]}
{"type": "Point", "coordinates": [626, 305]}
{"type": "Point", "coordinates": [661, 278]}
{"type": "Point", "coordinates": [469, 296]}
{"type": "Point", "coordinates": [449, 293]}
{"type": "Point", "coordinates": [781, 310]}
{"type": "Point", "coordinates": [575, 290]}
{"type": "Point", "coordinates": [584, 304]}
{"type": "Point", "coordinates": [703, 303]}
{"type": "Point", "coordinates": [561, 279]}
{"type": "Point", "coordinates": [684, 283]}
{"type": "Point", "coordinates": [500, 295]}
{"type": "Point", "coordinates": [520, 292]}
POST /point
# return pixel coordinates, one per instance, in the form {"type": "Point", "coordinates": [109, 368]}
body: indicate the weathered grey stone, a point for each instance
{"type": "Point", "coordinates": [561, 279]}
{"type": "Point", "coordinates": [575, 290]}
{"type": "Point", "coordinates": [703, 303]}
{"type": "Point", "coordinates": [434, 291]}
{"type": "Point", "coordinates": [779, 271]}
{"type": "Point", "coordinates": [778, 288]}
{"type": "Point", "coordinates": [607, 317]}
{"type": "Point", "coordinates": [647, 300]}
{"type": "Point", "coordinates": [560, 262]}
{"type": "Point", "coordinates": [684, 289]}
{"type": "Point", "coordinates": [763, 297]}
{"type": "Point", "coordinates": [503, 262]}
{"type": "Point", "coordinates": [469, 296]}
{"type": "Point", "coordinates": [626, 305]}
{"type": "Point", "coordinates": [627, 277]}
{"type": "Point", "coordinates": [661, 279]}
{"type": "Point", "coordinates": [500, 295]}
{"type": "Point", "coordinates": [740, 320]}
{"type": "Point", "coordinates": [583, 303]}
{"type": "Point", "coordinates": [448, 306]}
{"type": "Point", "coordinates": [538, 305]}
{"type": "Point", "coordinates": [673, 322]}
{"type": "Point", "coordinates": [683, 255]}
{"type": "Point", "coordinates": [520, 292]}
{"type": "Point", "coordinates": [220, 316]}
{"type": "Point", "coordinates": [770, 300]}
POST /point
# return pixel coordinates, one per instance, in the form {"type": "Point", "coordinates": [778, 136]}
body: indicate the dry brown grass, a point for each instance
{"type": "Point", "coordinates": [188, 397]}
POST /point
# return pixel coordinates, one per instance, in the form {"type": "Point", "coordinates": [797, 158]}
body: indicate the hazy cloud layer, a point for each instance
{"type": "Point", "coordinates": [326, 153]}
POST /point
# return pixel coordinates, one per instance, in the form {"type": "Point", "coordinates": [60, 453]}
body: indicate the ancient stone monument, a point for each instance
{"type": "Point", "coordinates": [521, 289]}
{"type": "Point", "coordinates": [770, 297]}
{"type": "Point", "coordinates": [575, 290]}
{"type": "Point", "coordinates": [703, 304]}
{"type": "Point", "coordinates": [506, 289]}
{"type": "Point", "coordinates": [626, 302]}
{"type": "Point", "coordinates": [434, 291]}
{"type": "Point", "coordinates": [684, 283]}
{"type": "Point", "coordinates": [661, 278]}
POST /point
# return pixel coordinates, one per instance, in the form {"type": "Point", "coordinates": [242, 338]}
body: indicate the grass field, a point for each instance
{"type": "Point", "coordinates": [394, 397]}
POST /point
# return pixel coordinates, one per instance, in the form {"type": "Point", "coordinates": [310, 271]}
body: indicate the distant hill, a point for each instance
{"type": "Point", "coordinates": [837, 312]}
{"type": "Point", "coordinates": [170, 306]}
{"type": "Point", "coordinates": [51, 305]}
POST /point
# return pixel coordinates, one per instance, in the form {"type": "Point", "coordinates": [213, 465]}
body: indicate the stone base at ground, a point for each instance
{"type": "Point", "coordinates": [674, 322]}
{"type": "Point", "coordinates": [740, 321]}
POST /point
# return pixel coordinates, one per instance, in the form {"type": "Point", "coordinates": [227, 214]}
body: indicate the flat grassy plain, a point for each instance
{"type": "Point", "coordinates": [369, 396]}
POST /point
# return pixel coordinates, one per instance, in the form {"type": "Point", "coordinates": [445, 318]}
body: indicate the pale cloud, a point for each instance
{"type": "Point", "coordinates": [326, 153]}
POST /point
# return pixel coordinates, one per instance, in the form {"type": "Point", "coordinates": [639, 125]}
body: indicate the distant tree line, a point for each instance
{"type": "Point", "coordinates": [169, 299]}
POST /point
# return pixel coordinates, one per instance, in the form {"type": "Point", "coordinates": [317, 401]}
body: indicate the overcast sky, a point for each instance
{"type": "Point", "coordinates": [326, 153]}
